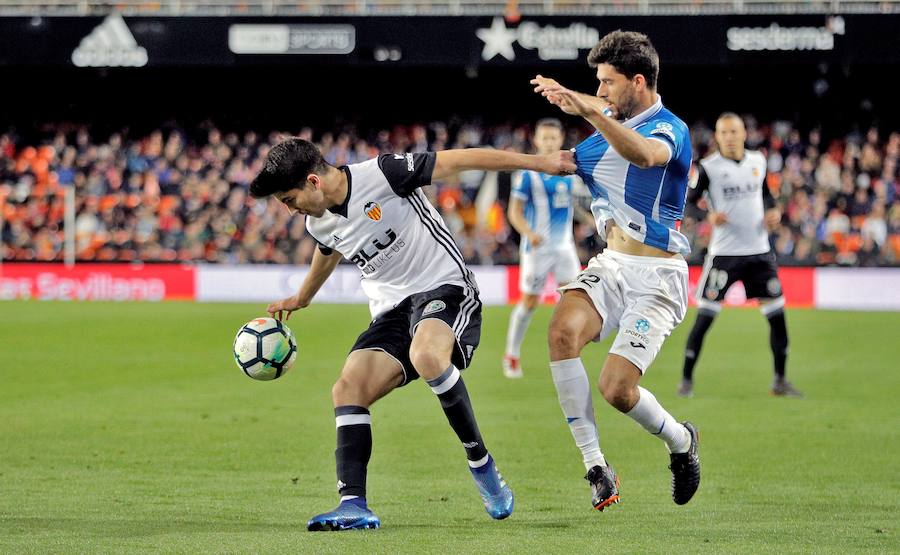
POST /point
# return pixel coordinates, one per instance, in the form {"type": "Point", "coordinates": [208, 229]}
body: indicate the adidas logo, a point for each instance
{"type": "Point", "coordinates": [110, 44]}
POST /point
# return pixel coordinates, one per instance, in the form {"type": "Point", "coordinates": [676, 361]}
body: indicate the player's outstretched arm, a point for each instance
{"type": "Point", "coordinates": [638, 150]}
{"type": "Point", "coordinates": [322, 266]}
{"type": "Point", "coordinates": [450, 162]}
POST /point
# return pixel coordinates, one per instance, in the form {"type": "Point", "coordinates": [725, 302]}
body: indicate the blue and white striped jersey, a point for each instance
{"type": "Point", "coordinates": [548, 208]}
{"type": "Point", "coordinates": [647, 204]}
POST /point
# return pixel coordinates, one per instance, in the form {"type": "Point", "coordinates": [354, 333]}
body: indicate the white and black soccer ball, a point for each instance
{"type": "Point", "coordinates": [264, 348]}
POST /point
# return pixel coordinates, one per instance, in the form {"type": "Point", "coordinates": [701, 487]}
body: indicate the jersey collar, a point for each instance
{"type": "Point", "coordinates": [634, 121]}
{"type": "Point", "coordinates": [341, 209]}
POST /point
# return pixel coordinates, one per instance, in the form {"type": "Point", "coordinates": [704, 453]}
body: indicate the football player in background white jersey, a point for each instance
{"type": "Point", "coordinates": [540, 209]}
{"type": "Point", "coordinates": [426, 315]}
{"type": "Point", "coordinates": [636, 166]}
{"type": "Point", "coordinates": [741, 207]}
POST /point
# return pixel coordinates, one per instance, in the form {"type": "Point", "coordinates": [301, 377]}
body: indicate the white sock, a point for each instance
{"type": "Point", "coordinates": [652, 417]}
{"type": "Point", "coordinates": [574, 392]}
{"type": "Point", "coordinates": [518, 325]}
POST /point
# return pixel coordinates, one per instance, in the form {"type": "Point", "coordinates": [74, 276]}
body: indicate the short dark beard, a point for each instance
{"type": "Point", "coordinates": [628, 109]}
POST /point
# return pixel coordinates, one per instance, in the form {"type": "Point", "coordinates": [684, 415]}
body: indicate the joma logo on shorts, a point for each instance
{"type": "Point", "coordinates": [636, 335]}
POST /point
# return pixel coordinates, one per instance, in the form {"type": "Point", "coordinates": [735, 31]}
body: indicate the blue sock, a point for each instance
{"type": "Point", "coordinates": [358, 501]}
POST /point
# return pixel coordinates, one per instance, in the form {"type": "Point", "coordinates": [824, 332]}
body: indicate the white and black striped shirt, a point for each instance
{"type": "Point", "coordinates": [739, 189]}
{"type": "Point", "coordinates": [387, 227]}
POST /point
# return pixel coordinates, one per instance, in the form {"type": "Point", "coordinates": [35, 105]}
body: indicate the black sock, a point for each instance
{"type": "Point", "coordinates": [778, 340]}
{"type": "Point", "coordinates": [354, 448]}
{"type": "Point", "coordinates": [451, 390]}
{"type": "Point", "coordinates": [695, 341]}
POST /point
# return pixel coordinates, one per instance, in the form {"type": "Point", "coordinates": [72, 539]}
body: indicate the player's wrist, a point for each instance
{"type": "Point", "coordinates": [301, 300]}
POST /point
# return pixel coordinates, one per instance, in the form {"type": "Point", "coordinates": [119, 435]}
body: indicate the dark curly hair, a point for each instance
{"type": "Point", "coordinates": [631, 53]}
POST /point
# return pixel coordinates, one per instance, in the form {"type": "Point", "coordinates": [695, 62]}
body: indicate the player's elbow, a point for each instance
{"type": "Point", "coordinates": [644, 160]}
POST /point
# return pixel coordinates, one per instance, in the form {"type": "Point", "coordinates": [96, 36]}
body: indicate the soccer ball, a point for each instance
{"type": "Point", "coordinates": [264, 348]}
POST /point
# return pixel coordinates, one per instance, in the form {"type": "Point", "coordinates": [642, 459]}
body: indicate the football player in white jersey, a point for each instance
{"type": "Point", "coordinates": [636, 166]}
{"type": "Point", "coordinates": [426, 315]}
{"type": "Point", "coordinates": [741, 207]}
{"type": "Point", "coordinates": [540, 209]}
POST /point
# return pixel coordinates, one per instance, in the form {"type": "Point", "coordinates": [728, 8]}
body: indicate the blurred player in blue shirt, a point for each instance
{"type": "Point", "coordinates": [540, 209]}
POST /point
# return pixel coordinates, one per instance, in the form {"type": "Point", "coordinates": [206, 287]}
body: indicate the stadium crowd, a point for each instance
{"type": "Point", "coordinates": [178, 196]}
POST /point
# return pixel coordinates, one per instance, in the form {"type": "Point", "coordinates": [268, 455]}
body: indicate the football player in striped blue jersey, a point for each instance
{"type": "Point", "coordinates": [636, 166]}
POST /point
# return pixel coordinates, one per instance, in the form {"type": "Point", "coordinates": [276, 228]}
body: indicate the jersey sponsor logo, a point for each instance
{"type": "Point", "coordinates": [378, 252]}
{"type": "Point", "coordinates": [735, 191]}
{"type": "Point", "coordinates": [634, 226]}
{"type": "Point", "coordinates": [373, 211]}
{"type": "Point", "coordinates": [642, 325]}
{"type": "Point", "coordinates": [434, 306]}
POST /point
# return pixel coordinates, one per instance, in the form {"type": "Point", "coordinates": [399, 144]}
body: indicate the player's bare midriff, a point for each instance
{"type": "Point", "coordinates": [619, 241]}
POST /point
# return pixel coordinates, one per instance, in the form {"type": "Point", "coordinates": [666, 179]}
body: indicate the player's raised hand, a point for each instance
{"type": "Point", "coordinates": [542, 83]}
{"type": "Point", "coordinates": [571, 102]}
{"type": "Point", "coordinates": [567, 100]}
{"type": "Point", "coordinates": [282, 309]}
{"type": "Point", "coordinates": [559, 163]}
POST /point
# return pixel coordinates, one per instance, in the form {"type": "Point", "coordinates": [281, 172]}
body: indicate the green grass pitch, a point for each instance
{"type": "Point", "coordinates": [128, 428]}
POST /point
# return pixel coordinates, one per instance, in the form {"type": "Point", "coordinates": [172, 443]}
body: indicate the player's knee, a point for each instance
{"type": "Point", "coordinates": [427, 363]}
{"type": "Point", "coordinates": [621, 394]}
{"type": "Point", "coordinates": [563, 340]}
{"type": "Point", "coordinates": [345, 392]}
{"type": "Point", "coordinates": [530, 302]}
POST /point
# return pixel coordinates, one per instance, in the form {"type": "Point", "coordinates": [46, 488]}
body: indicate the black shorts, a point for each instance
{"type": "Point", "coordinates": [758, 272]}
{"type": "Point", "coordinates": [392, 332]}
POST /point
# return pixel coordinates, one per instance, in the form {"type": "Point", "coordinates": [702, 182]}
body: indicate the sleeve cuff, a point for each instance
{"type": "Point", "coordinates": [668, 146]}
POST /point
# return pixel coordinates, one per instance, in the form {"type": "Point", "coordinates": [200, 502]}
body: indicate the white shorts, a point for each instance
{"type": "Point", "coordinates": [535, 265]}
{"type": "Point", "coordinates": [643, 297]}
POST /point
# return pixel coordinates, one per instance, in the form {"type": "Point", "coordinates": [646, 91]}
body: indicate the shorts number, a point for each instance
{"type": "Point", "coordinates": [589, 280]}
